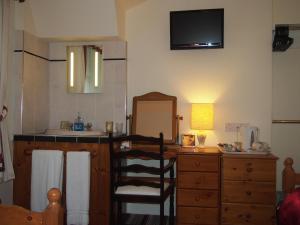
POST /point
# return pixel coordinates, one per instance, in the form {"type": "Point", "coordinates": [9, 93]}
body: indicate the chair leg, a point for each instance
{"type": "Point", "coordinates": [112, 217]}
{"type": "Point", "coordinates": [162, 213]}
{"type": "Point", "coordinates": [171, 213]}
{"type": "Point", "coordinates": [119, 220]}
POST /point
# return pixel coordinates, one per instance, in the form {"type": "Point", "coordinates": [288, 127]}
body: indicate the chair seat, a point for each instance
{"type": "Point", "coordinates": [139, 190]}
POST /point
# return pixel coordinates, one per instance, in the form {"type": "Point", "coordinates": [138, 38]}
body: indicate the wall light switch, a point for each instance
{"type": "Point", "coordinates": [233, 127]}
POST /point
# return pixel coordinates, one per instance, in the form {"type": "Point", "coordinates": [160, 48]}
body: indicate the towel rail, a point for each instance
{"type": "Point", "coordinates": [286, 121]}
{"type": "Point", "coordinates": [93, 153]}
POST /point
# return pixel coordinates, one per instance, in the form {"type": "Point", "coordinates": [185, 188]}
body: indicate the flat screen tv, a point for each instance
{"type": "Point", "coordinates": [195, 29]}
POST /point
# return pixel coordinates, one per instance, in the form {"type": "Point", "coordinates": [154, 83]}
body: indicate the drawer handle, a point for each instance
{"type": "Point", "coordinates": [249, 193]}
{"type": "Point", "coordinates": [198, 181]}
{"type": "Point", "coordinates": [197, 164]}
{"type": "Point", "coordinates": [29, 218]}
{"type": "Point", "coordinates": [249, 170]}
{"type": "Point", "coordinates": [197, 199]}
{"type": "Point", "coordinates": [27, 151]}
{"type": "Point", "coordinates": [197, 217]}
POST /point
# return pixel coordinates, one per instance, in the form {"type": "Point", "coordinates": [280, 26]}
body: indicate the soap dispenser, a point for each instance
{"type": "Point", "coordinates": [78, 123]}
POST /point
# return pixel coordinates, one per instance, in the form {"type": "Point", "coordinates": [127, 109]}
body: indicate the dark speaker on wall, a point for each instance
{"type": "Point", "coordinates": [282, 41]}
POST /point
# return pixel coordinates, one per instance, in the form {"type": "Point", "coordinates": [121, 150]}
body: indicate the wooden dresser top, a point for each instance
{"type": "Point", "coordinates": [197, 150]}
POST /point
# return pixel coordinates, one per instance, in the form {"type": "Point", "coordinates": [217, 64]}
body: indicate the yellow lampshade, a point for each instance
{"type": "Point", "coordinates": [202, 117]}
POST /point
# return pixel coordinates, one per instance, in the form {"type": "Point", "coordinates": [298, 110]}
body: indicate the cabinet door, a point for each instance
{"type": "Point", "coordinates": [100, 177]}
{"type": "Point", "coordinates": [22, 167]}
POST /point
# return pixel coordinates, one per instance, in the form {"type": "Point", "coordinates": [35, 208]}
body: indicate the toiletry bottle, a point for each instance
{"type": "Point", "coordinates": [78, 123]}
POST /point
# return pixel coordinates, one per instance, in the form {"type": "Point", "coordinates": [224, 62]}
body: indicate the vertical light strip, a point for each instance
{"type": "Point", "coordinates": [96, 69]}
{"type": "Point", "coordinates": [72, 69]}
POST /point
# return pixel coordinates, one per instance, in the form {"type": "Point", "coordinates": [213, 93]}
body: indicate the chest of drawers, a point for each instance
{"type": "Point", "coordinates": [248, 190]}
{"type": "Point", "coordinates": [198, 186]}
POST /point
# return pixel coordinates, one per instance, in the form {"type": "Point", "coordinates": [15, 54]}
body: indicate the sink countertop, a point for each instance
{"type": "Point", "coordinates": [71, 137]}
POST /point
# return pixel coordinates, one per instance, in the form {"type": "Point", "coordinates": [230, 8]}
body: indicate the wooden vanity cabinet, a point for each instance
{"type": "Point", "coordinates": [248, 189]}
{"type": "Point", "coordinates": [100, 175]}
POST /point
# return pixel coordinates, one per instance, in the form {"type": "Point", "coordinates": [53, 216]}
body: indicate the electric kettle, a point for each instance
{"type": "Point", "coordinates": [249, 135]}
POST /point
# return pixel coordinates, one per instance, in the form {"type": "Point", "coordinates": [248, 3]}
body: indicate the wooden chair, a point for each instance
{"type": "Point", "coordinates": [52, 215]}
{"type": "Point", "coordinates": [147, 190]}
{"type": "Point", "coordinates": [289, 177]}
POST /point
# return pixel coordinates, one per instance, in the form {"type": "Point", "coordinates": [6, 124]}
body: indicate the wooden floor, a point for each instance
{"type": "Point", "coordinates": [138, 219]}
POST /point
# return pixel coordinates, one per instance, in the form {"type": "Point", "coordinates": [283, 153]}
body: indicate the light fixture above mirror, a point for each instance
{"type": "Point", "coordinates": [84, 69]}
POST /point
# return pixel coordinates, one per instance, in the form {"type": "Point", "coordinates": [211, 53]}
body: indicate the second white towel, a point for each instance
{"type": "Point", "coordinates": [78, 187]}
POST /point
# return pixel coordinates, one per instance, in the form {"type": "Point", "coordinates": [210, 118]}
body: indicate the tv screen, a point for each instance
{"type": "Point", "coordinates": [197, 29]}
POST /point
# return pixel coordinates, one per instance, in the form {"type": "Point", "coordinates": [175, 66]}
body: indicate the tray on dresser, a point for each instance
{"type": "Point", "coordinates": [245, 152]}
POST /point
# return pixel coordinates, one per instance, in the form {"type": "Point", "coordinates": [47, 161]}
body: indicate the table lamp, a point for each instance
{"type": "Point", "coordinates": [202, 119]}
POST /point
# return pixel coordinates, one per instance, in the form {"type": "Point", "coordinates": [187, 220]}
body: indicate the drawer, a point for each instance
{"type": "Point", "coordinates": [249, 169]}
{"type": "Point", "coordinates": [198, 180]}
{"type": "Point", "coordinates": [197, 215]}
{"type": "Point", "coordinates": [243, 214]}
{"type": "Point", "coordinates": [198, 163]}
{"type": "Point", "coordinates": [206, 198]}
{"type": "Point", "coordinates": [249, 192]}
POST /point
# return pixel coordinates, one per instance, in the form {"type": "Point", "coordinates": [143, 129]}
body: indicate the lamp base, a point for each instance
{"type": "Point", "coordinates": [201, 140]}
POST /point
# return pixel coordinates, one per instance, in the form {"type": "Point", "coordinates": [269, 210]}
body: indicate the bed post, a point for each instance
{"type": "Point", "coordinates": [288, 176]}
{"type": "Point", "coordinates": [54, 213]}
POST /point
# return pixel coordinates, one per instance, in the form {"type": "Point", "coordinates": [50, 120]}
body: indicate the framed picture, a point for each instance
{"type": "Point", "coordinates": [188, 140]}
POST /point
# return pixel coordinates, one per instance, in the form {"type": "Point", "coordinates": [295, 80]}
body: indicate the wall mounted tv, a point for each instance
{"type": "Point", "coordinates": [195, 29]}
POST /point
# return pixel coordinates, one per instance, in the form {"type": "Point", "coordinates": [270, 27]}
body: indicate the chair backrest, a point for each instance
{"type": "Point", "coordinates": [52, 215]}
{"type": "Point", "coordinates": [118, 155]}
{"type": "Point", "coordinates": [155, 112]}
{"type": "Point", "coordinates": [290, 179]}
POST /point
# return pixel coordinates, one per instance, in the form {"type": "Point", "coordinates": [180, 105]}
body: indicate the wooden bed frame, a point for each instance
{"type": "Point", "coordinates": [52, 215]}
{"type": "Point", "coordinates": [289, 177]}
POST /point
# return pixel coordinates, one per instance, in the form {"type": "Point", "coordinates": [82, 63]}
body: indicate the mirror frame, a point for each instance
{"type": "Point", "coordinates": [156, 96]}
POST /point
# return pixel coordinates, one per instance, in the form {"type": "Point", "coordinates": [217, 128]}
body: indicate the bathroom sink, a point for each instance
{"type": "Point", "coordinates": [60, 132]}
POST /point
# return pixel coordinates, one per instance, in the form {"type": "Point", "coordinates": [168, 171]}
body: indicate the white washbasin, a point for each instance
{"type": "Point", "coordinates": [61, 132]}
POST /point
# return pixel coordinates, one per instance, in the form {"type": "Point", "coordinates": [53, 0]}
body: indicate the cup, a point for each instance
{"type": "Point", "coordinates": [238, 146]}
{"type": "Point", "coordinates": [109, 126]}
{"type": "Point", "coordinates": [65, 125]}
{"type": "Point", "coordinates": [119, 128]}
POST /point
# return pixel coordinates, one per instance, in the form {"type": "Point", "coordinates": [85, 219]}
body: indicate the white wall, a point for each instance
{"type": "Point", "coordinates": [238, 78]}
{"type": "Point", "coordinates": [23, 17]}
{"type": "Point", "coordinates": [286, 11]}
{"type": "Point", "coordinates": [286, 106]}
{"type": "Point", "coordinates": [74, 18]}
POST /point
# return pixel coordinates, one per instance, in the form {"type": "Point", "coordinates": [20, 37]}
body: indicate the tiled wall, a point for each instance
{"type": "Point", "coordinates": [31, 55]}
{"type": "Point", "coordinates": [110, 105]}
{"type": "Point", "coordinates": [43, 97]}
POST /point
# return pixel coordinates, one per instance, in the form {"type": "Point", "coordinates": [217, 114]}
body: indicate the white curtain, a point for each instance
{"type": "Point", "coordinates": [6, 33]}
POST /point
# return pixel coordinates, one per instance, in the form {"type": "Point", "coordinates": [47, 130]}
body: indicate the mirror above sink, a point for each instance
{"type": "Point", "coordinates": [84, 69]}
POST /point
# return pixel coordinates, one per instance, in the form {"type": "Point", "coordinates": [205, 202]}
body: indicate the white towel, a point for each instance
{"type": "Point", "coordinates": [46, 173]}
{"type": "Point", "coordinates": [78, 188]}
